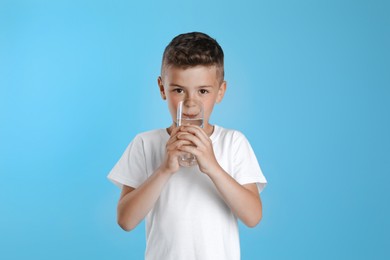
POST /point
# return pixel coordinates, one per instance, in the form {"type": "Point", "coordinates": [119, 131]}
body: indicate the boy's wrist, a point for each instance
{"type": "Point", "coordinates": [213, 172]}
{"type": "Point", "coordinates": [164, 171]}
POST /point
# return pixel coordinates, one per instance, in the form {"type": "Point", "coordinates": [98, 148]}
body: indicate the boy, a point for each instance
{"type": "Point", "coordinates": [191, 213]}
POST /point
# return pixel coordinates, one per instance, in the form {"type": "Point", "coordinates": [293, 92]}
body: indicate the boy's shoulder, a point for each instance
{"type": "Point", "coordinates": [152, 134]}
{"type": "Point", "coordinates": [227, 134]}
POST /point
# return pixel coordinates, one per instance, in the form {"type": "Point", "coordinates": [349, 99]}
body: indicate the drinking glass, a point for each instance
{"type": "Point", "coordinates": [189, 112]}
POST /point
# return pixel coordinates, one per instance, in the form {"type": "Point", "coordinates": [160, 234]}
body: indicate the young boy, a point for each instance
{"type": "Point", "coordinates": [191, 213]}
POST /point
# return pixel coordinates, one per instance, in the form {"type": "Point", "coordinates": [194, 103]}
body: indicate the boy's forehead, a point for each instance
{"type": "Point", "coordinates": [206, 74]}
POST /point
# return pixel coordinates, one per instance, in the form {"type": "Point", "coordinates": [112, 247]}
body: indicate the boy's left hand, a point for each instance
{"type": "Point", "coordinates": [202, 149]}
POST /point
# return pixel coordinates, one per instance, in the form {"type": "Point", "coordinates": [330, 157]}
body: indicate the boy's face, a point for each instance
{"type": "Point", "coordinates": [201, 83]}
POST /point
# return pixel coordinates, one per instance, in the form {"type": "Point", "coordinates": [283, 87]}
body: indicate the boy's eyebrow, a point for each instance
{"type": "Point", "coordinates": [177, 85]}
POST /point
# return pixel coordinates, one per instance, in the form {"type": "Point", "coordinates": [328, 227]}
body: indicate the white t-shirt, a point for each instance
{"type": "Point", "coordinates": [189, 220]}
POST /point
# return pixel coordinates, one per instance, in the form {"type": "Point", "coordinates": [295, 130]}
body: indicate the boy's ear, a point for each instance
{"type": "Point", "coordinates": [161, 86]}
{"type": "Point", "coordinates": [221, 91]}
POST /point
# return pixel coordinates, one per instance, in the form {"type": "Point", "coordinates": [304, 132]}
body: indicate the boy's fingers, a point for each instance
{"type": "Point", "coordinates": [190, 149]}
{"type": "Point", "coordinates": [173, 137]}
{"type": "Point", "coordinates": [190, 137]}
{"type": "Point", "coordinates": [194, 134]}
{"type": "Point", "coordinates": [197, 131]}
{"type": "Point", "coordinates": [175, 130]}
{"type": "Point", "coordinates": [179, 143]}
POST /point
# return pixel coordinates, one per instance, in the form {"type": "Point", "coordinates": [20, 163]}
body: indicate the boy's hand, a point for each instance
{"type": "Point", "coordinates": [170, 163]}
{"type": "Point", "coordinates": [201, 146]}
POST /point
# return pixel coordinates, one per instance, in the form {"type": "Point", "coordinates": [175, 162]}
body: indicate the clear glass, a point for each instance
{"type": "Point", "coordinates": [189, 112]}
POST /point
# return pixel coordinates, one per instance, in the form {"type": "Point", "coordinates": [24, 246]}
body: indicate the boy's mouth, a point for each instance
{"type": "Point", "coordinates": [190, 116]}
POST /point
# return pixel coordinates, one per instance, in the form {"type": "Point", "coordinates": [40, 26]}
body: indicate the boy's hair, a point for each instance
{"type": "Point", "coordinates": [193, 49]}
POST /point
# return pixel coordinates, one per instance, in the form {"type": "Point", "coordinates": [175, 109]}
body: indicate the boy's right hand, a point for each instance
{"type": "Point", "coordinates": [170, 163]}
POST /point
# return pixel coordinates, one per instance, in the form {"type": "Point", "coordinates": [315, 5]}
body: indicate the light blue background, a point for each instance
{"type": "Point", "coordinates": [308, 85]}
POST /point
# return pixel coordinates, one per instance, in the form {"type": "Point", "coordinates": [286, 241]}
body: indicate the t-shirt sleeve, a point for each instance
{"type": "Point", "coordinates": [246, 167]}
{"type": "Point", "coordinates": [130, 170]}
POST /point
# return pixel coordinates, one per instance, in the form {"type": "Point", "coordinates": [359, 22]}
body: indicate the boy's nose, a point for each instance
{"type": "Point", "coordinates": [191, 101]}
{"type": "Point", "coordinates": [191, 96]}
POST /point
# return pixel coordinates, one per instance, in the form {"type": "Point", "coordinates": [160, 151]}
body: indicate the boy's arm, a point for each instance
{"type": "Point", "coordinates": [243, 200]}
{"type": "Point", "coordinates": [134, 204]}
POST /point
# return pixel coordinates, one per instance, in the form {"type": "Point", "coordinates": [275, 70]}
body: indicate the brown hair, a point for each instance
{"type": "Point", "coordinates": [193, 49]}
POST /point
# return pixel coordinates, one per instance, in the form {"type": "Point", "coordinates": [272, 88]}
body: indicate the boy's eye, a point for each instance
{"type": "Point", "coordinates": [203, 91]}
{"type": "Point", "coordinates": [178, 90]}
